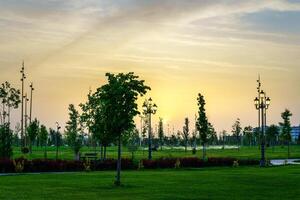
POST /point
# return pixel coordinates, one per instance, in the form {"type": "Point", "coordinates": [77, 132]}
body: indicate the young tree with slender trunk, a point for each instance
{"type": "Point", "coordinates": [72, 128]}
{"type": "Point", "coordinates": [248, 134]}
{"type": "Point", "coordinates": [272, 134]}
{"type": "Point", "coordinates": [43, 137]}
{"type": "Point", "coordinates": [119, 98]}
{"type": "Point", "coordinates": [186, 133]}
{"type": "Point", "coordinates": [286, 128]}
{"type": "Point", "coordinates": [33, 131]}
{"type": "Point", "coordinates": [202, 124]}
{"type": "Point", "coordinates": [161, 134]}
{"type": "Point", "coordinates": [236, 132]}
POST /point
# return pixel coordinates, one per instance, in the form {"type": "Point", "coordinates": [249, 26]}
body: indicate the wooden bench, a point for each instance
{"type": "Point", "coordinates": [89, 156]}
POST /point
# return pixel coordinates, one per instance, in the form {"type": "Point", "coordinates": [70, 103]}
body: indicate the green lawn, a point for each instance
{"type": "Point", "coordinates": [244, 152]}
{"type": "Point", "coordinates": [208, 183]}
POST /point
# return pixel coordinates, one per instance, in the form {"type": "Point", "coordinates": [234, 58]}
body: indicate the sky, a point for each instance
{"type": "Point", "coordinates": [180, 48]}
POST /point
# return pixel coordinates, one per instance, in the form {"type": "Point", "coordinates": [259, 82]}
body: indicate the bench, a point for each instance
{"type": "Point", "coordinates": [89, 156]}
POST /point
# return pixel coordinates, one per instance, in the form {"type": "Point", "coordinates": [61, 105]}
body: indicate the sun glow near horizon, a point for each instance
{"type": "Point", "coordinates": [214, 48]}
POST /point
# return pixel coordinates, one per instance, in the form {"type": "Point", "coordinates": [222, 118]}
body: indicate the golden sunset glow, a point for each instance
{"type": "Point", "coordinates": [180, 48]}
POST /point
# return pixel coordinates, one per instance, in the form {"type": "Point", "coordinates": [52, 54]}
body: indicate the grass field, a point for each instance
{"type": "Point", "coordinates": [244, 152]}
{"type": "Point", "coordinates": [209, 183]}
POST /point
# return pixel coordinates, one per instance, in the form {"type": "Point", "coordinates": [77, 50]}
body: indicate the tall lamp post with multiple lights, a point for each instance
{"type": "Point", "coordinates": [149, 109]}
{"type": "Point", "coordinates": [23, 77]}
{"type": "Point", "coordinates": [262, 103]}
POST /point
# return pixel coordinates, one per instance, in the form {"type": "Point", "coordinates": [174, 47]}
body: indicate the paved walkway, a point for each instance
{"type": "Point", "coordinates": [285, 161]}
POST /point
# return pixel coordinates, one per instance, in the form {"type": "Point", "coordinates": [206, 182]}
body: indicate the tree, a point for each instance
{"type": "Point", "coordinates": [186, 133]}
{"type": "Point", "coordinates": [236, 132]}
{"type": "Point", "coordinates": [223, 135]}
{"type": "Point", "coordinates": [286, 129]}
{"type": "Point", "coordinates": [248, 134]}
{"type": "Point", "coordinates": [43, 136]}
{"type": "Point", "coordinates": [33, 131]}
{"type": "Point", "coordinates": [119, 98]}
{"type": "Point", "coordinates": [133, 142]}
{"type": "Point", "coordinates": [202, 124]}
{"type": "Point", "coordinates": [213, 138]}
{"type": "Point", "coordinates": [10, 98]}
{"type": "Point", "coordinates": [72, 128]}
{"type": "Point", "coordinates": [272, 134]}
{"type": "Point", "coordinates": [161, 133]}
{"type": "Point", "coordinates": [5, 141]}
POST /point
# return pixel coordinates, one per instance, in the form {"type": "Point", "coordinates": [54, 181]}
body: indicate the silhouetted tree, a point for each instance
{"type": "Point", "coordinates": [161, 134]}
{"type": "Point", "coordinates": [10, 98]}
{"type": "Point", "coordinates": [186, 133]}
{"type": "Point", "coordinates": [213, 138]}
{"type": "Point", "coordinates": [119, 98]}
{"type": "Point", "coordinates": [5, 141]}
{"type": "Point", "coordinates": [248, 134]}
{"type": "Point", "coordinates": [43, 136]}
{"type": "Point", "coordinates": [33, 131]}
{"type": "Point", "coordinates": [133, 142]}
{"type": "Point", "coordinates": [223, 135]}
{"type": "Point", "coordinates": [236, 132]}
{"type": "Point", "coordinates": [72, 128]}
{"type": "Point", "coordinates": [202, 124]}
{"type": "Point", "coordinates": [272, 134]}
{"type": "Point", "coordinates": [286, 129]}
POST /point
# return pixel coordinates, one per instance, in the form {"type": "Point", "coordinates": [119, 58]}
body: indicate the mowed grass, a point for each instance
{"type": "Point", "coordinates": [208, 183]}
{"type": "Point", "coordinates": [279, 152]}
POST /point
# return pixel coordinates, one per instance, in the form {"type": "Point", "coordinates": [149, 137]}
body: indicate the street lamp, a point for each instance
{"type": "Point", "coordinates": [31, 91]}
{"type": "Point", "coordinates": [56, 138]}
{"type": "Point", "coordinates": [23, 77]}
{"type": "Point", "coordinates": [149, 108]}
{"type": "Point", "coordinates": [262, 103]}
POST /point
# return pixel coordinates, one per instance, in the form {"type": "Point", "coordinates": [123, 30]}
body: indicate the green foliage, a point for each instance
{"type": "Point", "coordinates": [43, 135]}
{"type": "Point", "coordinates": [161, 133]}
{"type": "Point", "coordinates": [272, 133]}
{"type": "Point", "coordinates": [285, 126]}
{"type": "Point", "coordinates": [33, 131]}
{"type": "Point", "coordinates": [186, 132]}
{"type": "Point", "coordinates": [119, 107]}
{"type": "Point", "coordinates": [5, 141]}
{"type": "Point", "coordinates": [248, 134]}
{"type": "Point", "coordinates": [202, 122]}
{"type": "Point", "coordinates": [72, 128]}
{"type": "Point", "coordinates": [19, 165]}
{"type": "Point", "coordinates": [237, 130]}
{"type": "Point", "coordinates": [10, 98]}
{"type": "Point", "coordinates": [119, 98]}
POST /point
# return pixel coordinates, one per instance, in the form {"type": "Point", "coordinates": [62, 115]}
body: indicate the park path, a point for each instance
{"type": "Point", "coordinates": [284, 162]}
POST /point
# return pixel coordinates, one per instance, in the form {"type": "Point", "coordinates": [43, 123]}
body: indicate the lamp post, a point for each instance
{"type": "Point", "coordinates": [30, 112]}
{"type": "Point", "coordinates": [26, 118]}
{"type": "Point", "coordinates": [149, 108]}
{"type": "Point", "coordinates": [23, 77]}
{"type": "Point", "coordinates": [262, 103]}
{"type": "Point", "coordinates": [56, 138]}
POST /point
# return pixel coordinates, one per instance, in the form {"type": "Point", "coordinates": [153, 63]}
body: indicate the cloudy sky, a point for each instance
{"type": "Point", "coordinates": [179, 47]}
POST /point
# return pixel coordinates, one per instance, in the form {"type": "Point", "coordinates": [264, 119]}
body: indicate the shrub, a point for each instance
{"type": "Point", "coordinates": [6, 166]}
{"type": "Point", "coordinates": [235, 163]}
{"type": "Point", "coordinates": [25, 150]}
{"type": "Point", "coordinates": [191, 162]}
{"type": "Point", "coordinates": [177, 164]}
{"type": "Point", "coordinates": [19, 165]}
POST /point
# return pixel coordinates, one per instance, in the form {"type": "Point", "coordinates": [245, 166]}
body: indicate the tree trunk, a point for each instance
{"type": "Point", "coordinates": [118, 177]}
{"type": "Point", "coordinates": [45, 152]}
{"type": "Point", "coordinates": [101, 151]}
{"type": "Point", "coordinates": [185, 147]}
{"type": "Point", "coordinates": [288, 144]}
{"type": "Point", "coordinates": [104, 154]}
{"type": "Point", "coordinates": [203, 151]}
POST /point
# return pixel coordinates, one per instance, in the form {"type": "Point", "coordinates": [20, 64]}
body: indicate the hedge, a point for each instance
{"type": "Point", "coordinates": [44, 165]}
